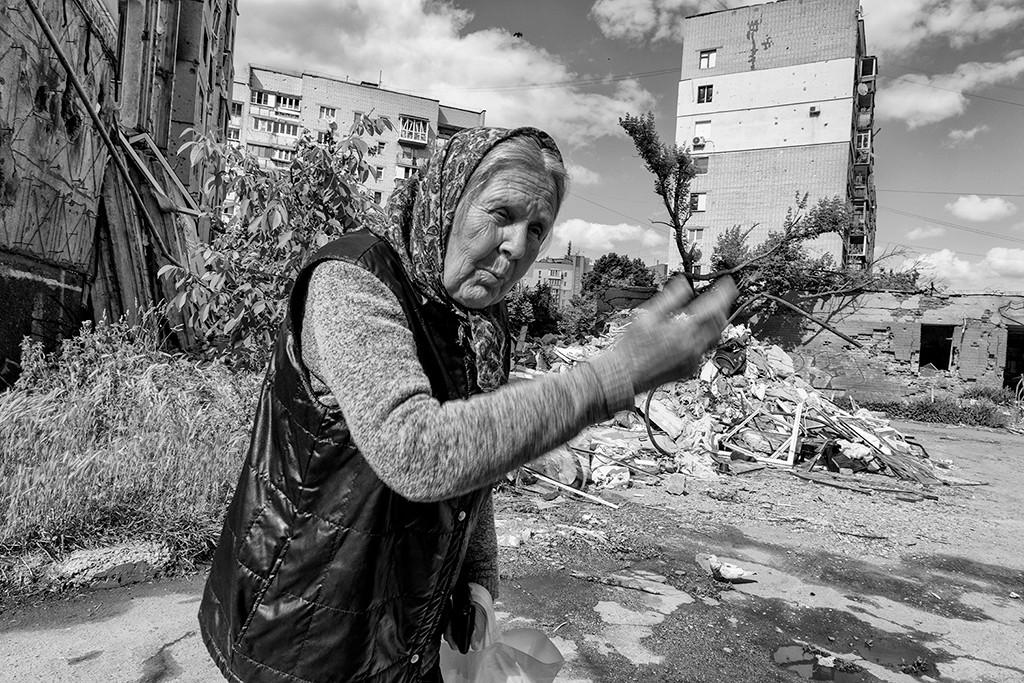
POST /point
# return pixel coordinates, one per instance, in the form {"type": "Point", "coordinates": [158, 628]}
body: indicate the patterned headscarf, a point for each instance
{"type": "Point", "coordinates": [418, 221]}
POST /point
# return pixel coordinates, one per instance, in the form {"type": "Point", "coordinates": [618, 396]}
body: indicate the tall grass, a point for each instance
{"type": "Point", "coordinates": [110, 438]}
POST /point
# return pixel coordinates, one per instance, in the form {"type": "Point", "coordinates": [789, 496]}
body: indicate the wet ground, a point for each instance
{"type": "Point", "coordinates": [845, 587]}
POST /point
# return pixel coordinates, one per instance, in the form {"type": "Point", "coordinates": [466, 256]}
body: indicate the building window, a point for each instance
{"type": "Point", "coordinates": [868, 68]}
{"type": "Point", "coordinates": [259, 97]}
{"type": "Point", "coordinates": [707, 59]}
{"type": "Point", "coordinates": [857, 245]}
{"type": "Point", "coordinates": [698, 201]}
{"type": "Point", "coordinates": [936, 346]}
{"type": "Point", "coordinates": [284, 154]}
{"type": "Point", "coordinates": [864, 141]}
{"type": "Point", "coordinates": [377, 196]}
{"type": "Point", "coordinates": [378, 172]}
{"type": "Point", "coordinates": [328, 112]}
{"type": "Point", "coordinates": [700, 165]}
{"type": "Point", "coordinates": [323, 137]}
{"type": "Point", "coordinates": [288, 102]}
{"type": "Point", "coordinates": [236, 108]}
{"type": "Point", "coordinates": [409, 171]}
{"type": "Point", "coordinates": [357, 116]}
{"type": "Point", "coordinates": [413, 130]}
{"type": "Point", "coordinates": [377, 149]}
{"type": "Point", "coordinates": [704, 93]}
{"type": "Point", "coordinates": [276, 127]}
{"type": "Point", "coordinates": [233, 134]}
{"type": "Point", "coordinates": [694, 235]}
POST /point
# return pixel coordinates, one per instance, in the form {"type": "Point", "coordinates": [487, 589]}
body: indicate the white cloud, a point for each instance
{"type": "Point", "coordinates": [1006, 262]}
{"type": "Point", "coordinates": [891, 26]}
{"type": "Point", "coordinates": [1001, 270]}
{"type": "Point", "coordinates": [596, 239]}
{"type": "Point", "coordinates": [958, 137]}
{"type": "Point", "coordinates": [925, 232]}
{"type": "Point", "coordinates": [900, 26]}
{"type": "Point", "coordinates": [581, 175]}
{"type": "Point", "coordinates": [981, 210]}
{"type": "Point", "coordinates": [653, 20]}
{"type": "Point", "coordinates": [423, 47]}
{"type": "Point", "coordinates": [920, 99]}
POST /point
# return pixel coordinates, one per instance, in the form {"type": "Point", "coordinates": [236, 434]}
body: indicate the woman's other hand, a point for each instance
{"type": "Point", "coordinates": [660, 345]}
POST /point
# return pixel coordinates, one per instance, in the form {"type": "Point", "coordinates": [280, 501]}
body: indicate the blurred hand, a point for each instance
{"type": "Point", "coordinates": [661, 346]}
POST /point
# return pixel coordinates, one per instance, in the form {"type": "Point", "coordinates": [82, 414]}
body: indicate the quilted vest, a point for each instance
{"type": "Point", "coordinates": [322, 572]}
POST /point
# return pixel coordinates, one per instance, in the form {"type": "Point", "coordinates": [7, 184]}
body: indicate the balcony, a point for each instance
{"type": "Point", "coordinates": [412, 162]}
{"type": "Point", "coordinates": [413, 131]}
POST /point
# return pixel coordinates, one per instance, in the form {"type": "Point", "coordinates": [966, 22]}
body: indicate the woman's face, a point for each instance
{"type": "Point", "coordinates": [497, 234]}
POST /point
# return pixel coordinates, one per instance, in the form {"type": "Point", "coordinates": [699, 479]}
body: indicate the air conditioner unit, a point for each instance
{"type": "Point", "coordinates": [815, 111]}
{"type": "Point", "coordinates": [699, 142]}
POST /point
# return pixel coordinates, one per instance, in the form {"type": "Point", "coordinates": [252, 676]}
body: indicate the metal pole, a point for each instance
{"type": "Point", "coordinates": [115, 157]}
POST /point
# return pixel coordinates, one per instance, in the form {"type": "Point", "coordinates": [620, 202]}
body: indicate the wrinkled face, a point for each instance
{"type": "Point", "coordinates": [497, 234]}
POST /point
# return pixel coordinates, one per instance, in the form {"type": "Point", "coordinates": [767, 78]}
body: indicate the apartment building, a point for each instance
{"type": "Point", "coordinates": [774, 100]}
{"type": "Point", "coordinates": [273, 106]}
{"type": "Point", "coordinates": [563, 275]}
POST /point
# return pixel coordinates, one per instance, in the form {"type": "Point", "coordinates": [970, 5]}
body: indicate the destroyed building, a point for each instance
{"type": "Point", "coordinates": [87, 218]}
{"type": "Point", "coordinates": [912, 342]}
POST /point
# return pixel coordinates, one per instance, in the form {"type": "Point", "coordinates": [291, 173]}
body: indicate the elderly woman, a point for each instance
{"type": "Point", "coordinates": [364, 504]}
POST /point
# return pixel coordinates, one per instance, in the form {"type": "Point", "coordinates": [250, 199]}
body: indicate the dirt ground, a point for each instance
{"type": "Point", "coordinates": [904, 591]}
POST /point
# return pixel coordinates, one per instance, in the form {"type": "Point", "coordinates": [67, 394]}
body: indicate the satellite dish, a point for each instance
{"type": "Point", "coordinates": [862, 88]}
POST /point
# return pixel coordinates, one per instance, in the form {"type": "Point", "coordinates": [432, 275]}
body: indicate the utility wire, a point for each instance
{"type": "Point", "coordinates": [965, 93]}
{"type": "Point", "coordinates": [940, 192]}
{"type": "Point", "coordinates": [955, 226]}
{"type": "Point", "coordinates": [597, 80]}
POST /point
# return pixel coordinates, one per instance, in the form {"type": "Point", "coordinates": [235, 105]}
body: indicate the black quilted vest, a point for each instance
{"type": "Point", "coordinates": [322, 572]}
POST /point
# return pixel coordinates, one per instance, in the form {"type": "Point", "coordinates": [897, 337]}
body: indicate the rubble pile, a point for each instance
{"type": "Point", "coordinates": [749, 408]}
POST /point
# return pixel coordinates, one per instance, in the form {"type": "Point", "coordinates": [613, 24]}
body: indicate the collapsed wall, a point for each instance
{"type": "Point", "coordinates": [912, 343]}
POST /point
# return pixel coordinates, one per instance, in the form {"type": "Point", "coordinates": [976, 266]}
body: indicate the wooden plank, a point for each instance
{"type": "Point", "coordinates": [795, 434]}
{"type": "Point", "coordinates": [668, 421]}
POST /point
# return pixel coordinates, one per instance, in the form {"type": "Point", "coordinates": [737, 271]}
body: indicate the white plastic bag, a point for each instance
{"type": "Point", "coordinates": [520, 655]}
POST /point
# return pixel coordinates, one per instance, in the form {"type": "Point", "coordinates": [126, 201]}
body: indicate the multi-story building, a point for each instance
{"type": "Point", "coordinates": [563, 275]}
{"type": "Point", "coordinates": [176, 73]}
{"type": "Point", "coordinates": [775, 100]}
{"type": "Point", "coordinates": [273, 106]}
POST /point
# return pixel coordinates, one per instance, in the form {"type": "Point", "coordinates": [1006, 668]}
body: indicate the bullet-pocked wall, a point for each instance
{"type": "Point", "coordinates": [52, 164]}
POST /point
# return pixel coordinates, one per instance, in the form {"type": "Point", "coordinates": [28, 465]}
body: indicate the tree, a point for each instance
{"type": "Point", "coordinates": [673, 169]}
{"type": "Point", "coordinates": [234, 291]}
{"type": "Point", "coordinates": [545, 314]}
{"type": "Point", "coordinates": [780, 266]}
{"type": "Point", "coordinates": [520, 310]}
{"type": "Point", "coordinates": [579, 317]}
{"type": "Point", "coordinates": [613, 270]}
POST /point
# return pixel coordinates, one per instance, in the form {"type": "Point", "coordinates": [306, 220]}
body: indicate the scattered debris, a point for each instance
{"type": "Point", "coordinates": [751, 408]}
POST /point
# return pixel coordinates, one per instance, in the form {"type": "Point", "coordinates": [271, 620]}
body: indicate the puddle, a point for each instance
{"type": "Point", "coordinates": [808, 665]}
{"type": "Point", "coordinates": [896, 656]}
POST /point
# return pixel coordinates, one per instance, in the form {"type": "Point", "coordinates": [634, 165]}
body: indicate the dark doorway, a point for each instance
{"type": "Point", "coordinates": [936, 346]}
{"type": "Point", "coordinates": [1014, 367]}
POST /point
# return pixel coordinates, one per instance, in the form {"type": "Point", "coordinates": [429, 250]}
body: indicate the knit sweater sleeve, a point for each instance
{"type": "Point", "coordinates": [481, 563]}
{"type": "Point", "coordinates": [360, 346]}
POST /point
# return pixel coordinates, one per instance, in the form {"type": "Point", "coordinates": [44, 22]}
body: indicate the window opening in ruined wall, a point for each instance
{"type": "Point", "coordinates": [1013, 370]}
{"type": "Point", "coordinates": [936, 346]}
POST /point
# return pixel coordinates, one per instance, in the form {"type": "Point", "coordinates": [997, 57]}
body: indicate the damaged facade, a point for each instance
{"type": "Point", "coordinates": [82, 234]}
{"type": "Point", "coordinates": [913, 342]}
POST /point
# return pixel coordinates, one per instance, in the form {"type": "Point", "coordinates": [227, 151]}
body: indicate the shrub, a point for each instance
{"type": "Point", "coordinates": [579, 317]}
{"type": "Point", "coordinates": [944, 409]}
{"type": "Point", "coordinates": [520, 310]}
{"type": "Point", "coordinates": [1001, 396]}
{"type": "Point", "coordinates": [110, 438]}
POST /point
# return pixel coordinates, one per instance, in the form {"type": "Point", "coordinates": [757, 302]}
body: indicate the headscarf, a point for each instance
{"type": "Point", "coordinates": [418, 221]}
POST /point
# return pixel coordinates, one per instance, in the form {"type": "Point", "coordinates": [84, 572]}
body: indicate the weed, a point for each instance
{"type": "Point", "coordinates": [945, 409]}
{"type": "Point", "coordinates": [110, 438]}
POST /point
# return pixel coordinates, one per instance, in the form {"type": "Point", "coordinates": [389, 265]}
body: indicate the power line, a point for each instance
{"type": "Point", "coordinates": [941, 192]}
{"type": "Point", "coordinates": [577, 81]}
{"type": "Point", "coordinates": [955, 226]}
{"type": "Point", "coordinates": [608, 208]}
{"type": "Point", "coordinates": [959, 92]}
{"type": "Point", "coordinates": [919, 250]}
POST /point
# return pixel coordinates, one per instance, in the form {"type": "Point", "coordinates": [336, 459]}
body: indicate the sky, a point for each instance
{"type": "Point", "coordinates": [950, 108]}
